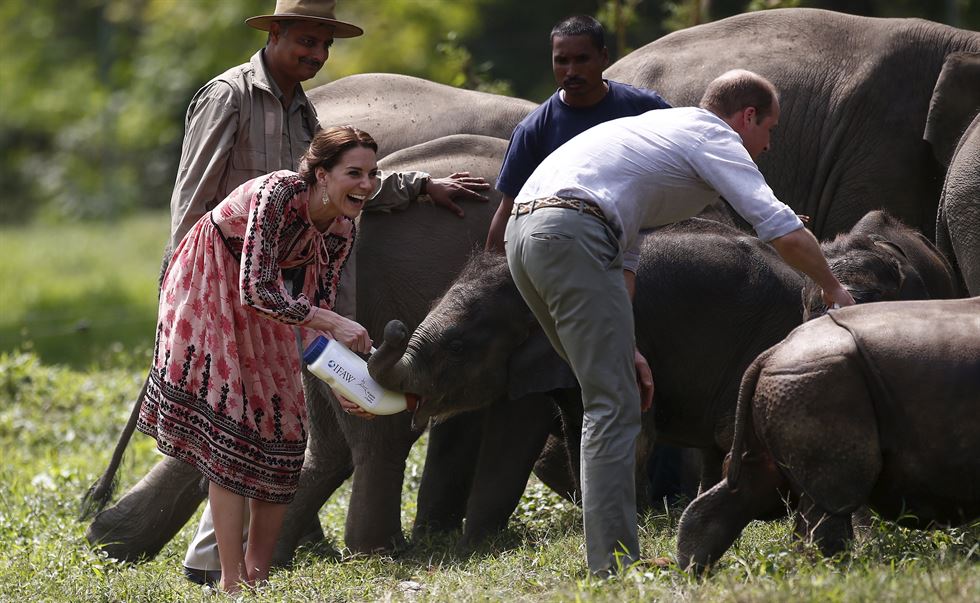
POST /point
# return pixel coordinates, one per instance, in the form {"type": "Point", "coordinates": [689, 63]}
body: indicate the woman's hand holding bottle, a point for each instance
{"type": "Point", "coordinates": [354, 337]}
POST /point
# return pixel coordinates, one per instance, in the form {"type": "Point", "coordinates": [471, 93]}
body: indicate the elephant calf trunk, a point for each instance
{"type": "Point", "coordinates": [387, 366]}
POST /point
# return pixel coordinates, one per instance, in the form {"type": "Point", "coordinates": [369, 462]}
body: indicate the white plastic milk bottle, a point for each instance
{"type": "Point", "coordinates": [347, 373]}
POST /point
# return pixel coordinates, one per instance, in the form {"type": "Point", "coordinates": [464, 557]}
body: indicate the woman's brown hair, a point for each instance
{"type": "Point", "coordinates": [328, 146]}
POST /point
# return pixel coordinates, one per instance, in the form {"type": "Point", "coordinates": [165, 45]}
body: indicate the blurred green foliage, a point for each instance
{"type": "Point", "coordinates": [93, 92]}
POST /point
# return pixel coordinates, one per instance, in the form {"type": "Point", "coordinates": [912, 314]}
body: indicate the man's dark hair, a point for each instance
{"type": "Point", "coordinates": [737, 89]}
{"type": "Point", "coordinates": [581, 25]}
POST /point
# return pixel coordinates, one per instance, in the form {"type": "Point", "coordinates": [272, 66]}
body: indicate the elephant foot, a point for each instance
{"type": "Point", "coordinates": [861, 521]}
{"type": "Point", "coordinates": [831, 533]}
{"type": "Point", "coordinates": [374, 514]}
{"type": "Point", "coordinates": [148, 516]}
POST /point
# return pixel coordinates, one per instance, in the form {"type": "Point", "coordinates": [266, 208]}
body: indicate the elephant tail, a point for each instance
{"type": "Point", "coordinates": [100, 493]}
{"type": "Point", "coordinates": [743, 415]}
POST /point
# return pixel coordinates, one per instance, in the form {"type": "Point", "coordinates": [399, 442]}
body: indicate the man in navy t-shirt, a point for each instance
{"type": "Point", "coordinates": [584, 99]}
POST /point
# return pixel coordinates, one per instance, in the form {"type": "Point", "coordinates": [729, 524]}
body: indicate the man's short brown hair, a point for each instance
{"type": "Point", "coordinates": [737, 89]}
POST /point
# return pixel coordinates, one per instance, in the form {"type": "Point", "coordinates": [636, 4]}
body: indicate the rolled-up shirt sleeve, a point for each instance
{"type": "Point", "coordinates": [395, 191]}
{"type": "Point", "coordinates": [726, 166]}
{"type": "Point", "coordinates": [631, 258]}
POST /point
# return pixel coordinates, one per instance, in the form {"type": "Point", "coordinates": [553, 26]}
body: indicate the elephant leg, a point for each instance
{"type": "Point", "coordinates": [514, 434]}
{"type": "Point", "coordinates": [570, 405]}
{"type": "Point", "coordinates": [712, 460]}
{"type": "Point", "coordinates": [379, 448]}
{"type": "Point", "coordinates": [148, 516]}
{"type": "Point", "coordinates": [861, 520]}
{"type": "Point", "coordinates": [554, 469]}
{"type": "Point", "coordinates": [830, 532]}
{"type": "Point", "coordinates": [328, 463]}
{"type": "Point", "coordinates": [713, 521]}
{"type": "Point", "coordinates": [449, 465]}
{"type": "Point", "coordinates": [646, 449]}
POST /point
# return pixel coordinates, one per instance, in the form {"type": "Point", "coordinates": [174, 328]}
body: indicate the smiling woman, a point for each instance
{"type": "Point", "coordinates": [224, 392]}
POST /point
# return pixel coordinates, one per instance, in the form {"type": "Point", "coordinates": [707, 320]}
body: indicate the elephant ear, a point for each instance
{"type": "Point", "coordinates": [955, 102]}
{"type": "Point", "coordinates": [910, 283]}
{"type": "Point", "coordinates": [535, 367]}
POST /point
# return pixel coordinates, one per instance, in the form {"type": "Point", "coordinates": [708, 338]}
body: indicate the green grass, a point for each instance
{"type": "Point", "coordinates": [58, 425]}
{"type": "Point", "coordinates": [82, 294]}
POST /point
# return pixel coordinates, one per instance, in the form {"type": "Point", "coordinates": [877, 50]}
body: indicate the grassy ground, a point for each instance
{"type": "Point", "coordinates": [57, 426]}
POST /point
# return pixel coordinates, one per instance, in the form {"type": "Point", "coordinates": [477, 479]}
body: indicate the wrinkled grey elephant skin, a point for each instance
{"type": "Point", "coordinates": [857, 96]}
{"type": "Point", "coordinates": [401, 111]}
{"type": "Point", "coordinates": [957, 233]}
{"type": "Point", "coordinates": [876, 404]}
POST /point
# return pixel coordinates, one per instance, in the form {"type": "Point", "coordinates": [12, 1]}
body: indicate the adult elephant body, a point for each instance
{"type": "Point", "coordinates": [856, 95]}
{"type": "Point", "coordinates": [401, 111]}
{"type": "Point", "coordinates": [872, 405]}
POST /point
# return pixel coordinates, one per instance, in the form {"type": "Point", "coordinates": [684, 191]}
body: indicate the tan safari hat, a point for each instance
{"type": "Point", "coordinates": [319, 11]}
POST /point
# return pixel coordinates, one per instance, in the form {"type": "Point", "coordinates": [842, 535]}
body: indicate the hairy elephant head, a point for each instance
{"type": "Point", "coordinates": [457, 358]}
{"type": "Point", "coordinates": [882, 259]}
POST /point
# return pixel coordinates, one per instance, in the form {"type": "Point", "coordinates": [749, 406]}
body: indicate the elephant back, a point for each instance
{"type": "Point", "coordinates": [401, 111]}
{"type": "Point", "coordinates": [855, 93]}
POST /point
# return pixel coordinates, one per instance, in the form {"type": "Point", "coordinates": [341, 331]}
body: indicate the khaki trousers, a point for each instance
{"type": "Point", "coordinates": [568, 267]}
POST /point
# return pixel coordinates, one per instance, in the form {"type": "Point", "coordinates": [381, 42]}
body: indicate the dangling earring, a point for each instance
{"type": "Point", "coordinates": [326, 197]}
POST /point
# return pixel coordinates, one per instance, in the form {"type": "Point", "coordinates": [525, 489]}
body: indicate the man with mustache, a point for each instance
{"type": "Point", "coordinates": [583, 99]}
{"type": "Point", "coordinates": [255, 119]}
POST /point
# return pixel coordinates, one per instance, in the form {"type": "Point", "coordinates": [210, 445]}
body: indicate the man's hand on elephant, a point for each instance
{"type": "Point", "coordinates": [837, 298]}
{"type": "Point", "coordinates": [644, 379]}
{"type": "Point", "coordinates": [458, 186]}
{"type": "Point", "coordinates": [352, 408]}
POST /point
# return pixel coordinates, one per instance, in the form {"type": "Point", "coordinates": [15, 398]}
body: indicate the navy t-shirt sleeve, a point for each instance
{"type": "Point", "coordinates": [519, 162]}
{"type": "Point", "coordinates": [641, 99]}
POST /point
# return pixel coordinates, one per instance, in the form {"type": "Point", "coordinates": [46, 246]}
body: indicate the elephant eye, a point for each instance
{"type": "Point", "coordinates": [455, 346]}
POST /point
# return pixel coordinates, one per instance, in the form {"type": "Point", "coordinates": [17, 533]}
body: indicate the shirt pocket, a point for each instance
{"type": "Point", "coordinates": [246, 164]}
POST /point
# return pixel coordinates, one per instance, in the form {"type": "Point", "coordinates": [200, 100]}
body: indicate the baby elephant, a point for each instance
{"type": "Point", "coordinates": [876, 405]}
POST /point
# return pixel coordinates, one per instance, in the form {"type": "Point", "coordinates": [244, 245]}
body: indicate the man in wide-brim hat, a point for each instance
{"type": "Point", "coordinates": [255, 118]}
{"type": "Point", "coordinates": [307, 10]}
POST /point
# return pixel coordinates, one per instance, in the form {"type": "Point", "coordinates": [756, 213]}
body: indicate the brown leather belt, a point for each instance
{"type": "Point", "coordinates": [581, 205]}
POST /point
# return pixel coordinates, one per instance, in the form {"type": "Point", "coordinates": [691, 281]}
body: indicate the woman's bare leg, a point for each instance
{"type": "Point", "coordinates": [227, 512]}
{"type": "Point", "coordinates": [263, 532]}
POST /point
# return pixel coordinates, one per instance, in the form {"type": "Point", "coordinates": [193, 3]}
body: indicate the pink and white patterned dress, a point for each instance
{"type": "Point", "coordinates": [225, 391]}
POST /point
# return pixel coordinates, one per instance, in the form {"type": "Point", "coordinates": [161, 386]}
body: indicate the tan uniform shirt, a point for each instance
{"type": "Point", "coordinates": [236, 130]}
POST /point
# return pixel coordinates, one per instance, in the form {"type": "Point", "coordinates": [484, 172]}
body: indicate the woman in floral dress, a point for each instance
{"type": "Point", "coordinates": [225, 392]}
